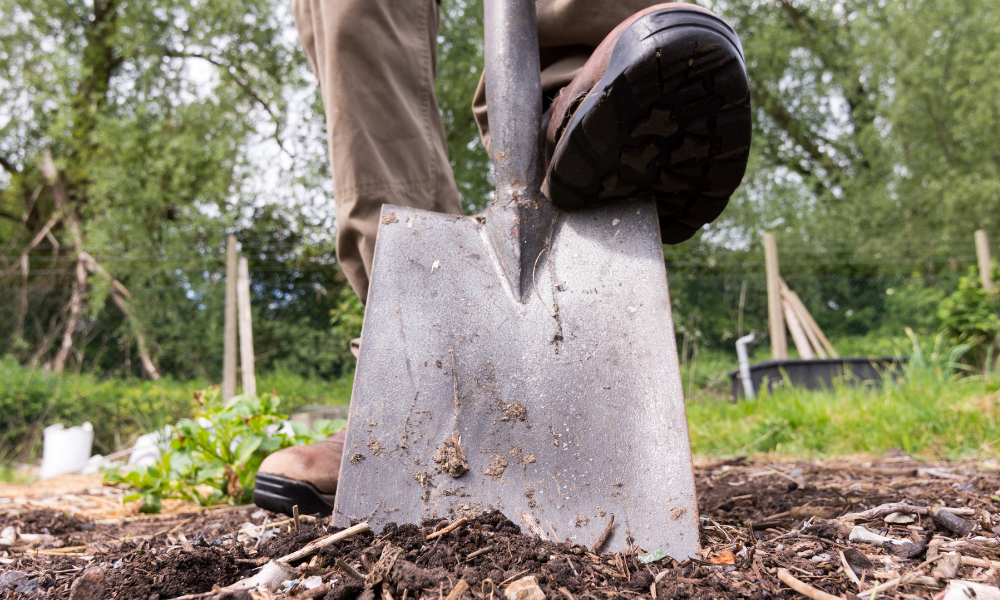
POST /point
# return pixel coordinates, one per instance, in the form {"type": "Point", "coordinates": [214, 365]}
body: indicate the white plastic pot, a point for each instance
{"type": "Point", "coordinates": [65, 450]}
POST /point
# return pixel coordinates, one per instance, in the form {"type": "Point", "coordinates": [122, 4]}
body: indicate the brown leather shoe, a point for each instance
{"type": "Point", "coordinates": [662, 110]}
{"type": "Point", "coordinates": [301, 475]}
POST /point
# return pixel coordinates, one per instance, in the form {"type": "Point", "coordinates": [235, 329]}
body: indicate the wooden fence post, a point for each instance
{"type": "Point", "coordinates": [775, 314]}
{"type": "Point", "coordinates": [246, 328]}
{"type": "Point", "coordinates": [983, 253]}
{"type": "Point", "coordinates": [229, 343]}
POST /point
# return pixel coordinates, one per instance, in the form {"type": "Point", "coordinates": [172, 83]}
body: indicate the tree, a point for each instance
{"type": "Point", "coordinates": [125, 135]}
{"type": "Point", "coordinates": [874, 122]}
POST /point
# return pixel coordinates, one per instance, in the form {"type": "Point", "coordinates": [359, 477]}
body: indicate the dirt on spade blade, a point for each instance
{"type": "Point", "coordinates": [765, 526]}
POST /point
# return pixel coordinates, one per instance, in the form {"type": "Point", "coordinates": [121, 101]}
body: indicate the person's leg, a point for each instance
{"type": "Point", "coordinates": [375, 61]}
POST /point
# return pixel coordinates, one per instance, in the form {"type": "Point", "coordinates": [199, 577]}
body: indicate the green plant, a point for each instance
{"type": "Point", "coordinates": [214, 458]}
{"type": "Point", "coordinates": [971, 314]}
{"type": "Point", "coordinates": [123, 409]}
{"type": "Point", "coordinates": [930, 410]}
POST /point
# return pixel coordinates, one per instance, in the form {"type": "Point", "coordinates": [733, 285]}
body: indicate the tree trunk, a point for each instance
{"type": "Point", "coordinates": [22, 308]}
{"type": "Point", "coordinates": [75, 308]}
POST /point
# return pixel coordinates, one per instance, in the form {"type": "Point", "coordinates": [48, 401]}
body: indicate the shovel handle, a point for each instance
{"type": "Point", "coordinates": [514, 97]}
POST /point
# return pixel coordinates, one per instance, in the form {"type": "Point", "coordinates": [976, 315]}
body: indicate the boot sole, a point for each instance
{"type": "Point", "coordinates": [670, 119]}
{"type": "Point", "coordinates": [280, 494]}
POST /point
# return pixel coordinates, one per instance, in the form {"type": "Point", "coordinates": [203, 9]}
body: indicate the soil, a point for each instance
{"type": "Point", "coordinates": [451, 459]}
{"type": "Point", "coordinates": [757, 518]}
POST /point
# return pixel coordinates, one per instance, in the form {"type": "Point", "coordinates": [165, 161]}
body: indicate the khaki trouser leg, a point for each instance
{"type": "Point", "coordinates": [375, 62]}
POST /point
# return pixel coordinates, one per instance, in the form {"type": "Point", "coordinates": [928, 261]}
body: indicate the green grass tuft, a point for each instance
{"type": "Point", "coordinates": [935, 410]}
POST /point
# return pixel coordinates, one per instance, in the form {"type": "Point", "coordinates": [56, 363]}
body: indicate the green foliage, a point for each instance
{"type": "Point", "coordinates": [214, 458]}
{"type": "Point", "coordinates": [460, 61]}
{"type": "Point", "coordinates": [973, 314]}
{"type": "Point", "coordinates": [931, 410]}
{"type": "Point", "coordinates": [874, 122]}
{"type": "Point", "coordinates": [121, 409]}
{"type": "Point", "coordinates": [159, 117]}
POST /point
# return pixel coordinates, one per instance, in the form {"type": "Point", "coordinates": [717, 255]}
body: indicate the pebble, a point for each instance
{"type": "Point", "coordinates": [525, 588]}
{"type": "Point", "coordinates": [88, 586]}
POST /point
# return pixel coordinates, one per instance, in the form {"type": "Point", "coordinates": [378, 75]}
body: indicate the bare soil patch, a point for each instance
{"type": "Point", "coordinates": [764, 526]}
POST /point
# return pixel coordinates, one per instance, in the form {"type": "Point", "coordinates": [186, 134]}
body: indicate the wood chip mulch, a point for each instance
{"type": "Point", "coordinates": [882, 528]}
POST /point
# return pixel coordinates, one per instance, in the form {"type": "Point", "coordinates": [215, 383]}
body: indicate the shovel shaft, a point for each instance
{"type": "Point", "coordinates": [514, 96]}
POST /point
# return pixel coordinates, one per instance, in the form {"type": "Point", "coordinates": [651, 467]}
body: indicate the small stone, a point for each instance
{"type": "Point", "coordinates": [11, 579]}
{"type": "Point", "coordinates": [88, 586]}
{"type": "Point", "coordinates": [899, 518]}
{"type": "Point", "coordinates": [525, 588]}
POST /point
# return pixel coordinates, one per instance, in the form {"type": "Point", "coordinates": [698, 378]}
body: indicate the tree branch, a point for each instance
{"type": "Point", "coordinates": [245, 86]}
{"type": "Point", "coordinates": [790, 125]}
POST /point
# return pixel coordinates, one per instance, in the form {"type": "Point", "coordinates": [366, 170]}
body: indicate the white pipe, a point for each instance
{"type": "Point", "coordinates": [741, 355]}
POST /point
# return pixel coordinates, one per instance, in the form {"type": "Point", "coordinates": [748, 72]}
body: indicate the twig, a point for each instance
{"type": "Point", "coordinates": [512, 578]}
{"type": "Point", "coordinates": [804, 588]}
{"type": "Point", "coordinates": [478, 553]}
{"type": "Point", "coordinates": [601, 539]}
{"type": "Point", "coordinates": [849, 571]}
{"type": "Point", "coordinates": [34, 552]}
{"type": "Point", "coordinates": [890, 583]}
{"type": "Point", "coordinates": [268, 525]}
{"type": "Point", "coordinates": [887, 509]}
{"type": "Point", "coordinates": [349, 570]}
{"type": "Point", "coordinates": [980, 562]}
{"type": "Point", "coordinates": [260, 538]}
{"type": "Point", "coordinates": [323, 542]}
{"type": "Point", "coordinates": [459, 589]}
{"type": "Point", "coordinates": [448, 529]}
{"type": "Point", "coordinates": [295, 517]}
{"type": "Point", "coordinates": [552, 529]}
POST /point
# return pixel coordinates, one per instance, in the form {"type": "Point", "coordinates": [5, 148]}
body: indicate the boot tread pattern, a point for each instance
{"type": "Point", "coordinates": [674, 125]}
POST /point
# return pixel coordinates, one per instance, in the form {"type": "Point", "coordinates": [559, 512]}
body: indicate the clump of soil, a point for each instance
{"type": "Point", "coordinates": [451, 459]}
{"type": "Point", "coordinates": [375, 446]}
{"type": "Point", "coordinates": [498, 465]}
{"type": "Point", "coordinates": [515, 411]}
{"type": "Point", "coordinates": [48, 521]}
{"type": "Point", "coordinates": [171, 575]}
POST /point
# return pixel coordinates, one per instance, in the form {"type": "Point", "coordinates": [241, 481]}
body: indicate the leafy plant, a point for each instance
{"type": "Point", "coordinates": [972, 314]}
{"type": "Point", "coordinates": [214, 458]}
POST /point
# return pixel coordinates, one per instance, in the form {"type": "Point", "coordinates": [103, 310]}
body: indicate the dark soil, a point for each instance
{"type": "Point", "coordinates": [756, 519]}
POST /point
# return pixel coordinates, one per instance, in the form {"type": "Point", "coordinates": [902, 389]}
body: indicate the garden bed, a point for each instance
{"type": "Point", "coordinates": [764, 526]}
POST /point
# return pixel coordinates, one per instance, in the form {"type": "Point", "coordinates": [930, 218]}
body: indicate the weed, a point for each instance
{"type": "Point", "coordinates": [214, 458]}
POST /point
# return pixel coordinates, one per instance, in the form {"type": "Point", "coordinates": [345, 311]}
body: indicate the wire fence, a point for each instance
{"type": "Point", "coordinates": [304, 318]}
{"type": "Point", "coordinates": [712, 311]}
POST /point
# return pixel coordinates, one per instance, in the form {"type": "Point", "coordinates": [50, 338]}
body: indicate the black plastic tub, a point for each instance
{"type": "Point", "coordinates": [817, 373]}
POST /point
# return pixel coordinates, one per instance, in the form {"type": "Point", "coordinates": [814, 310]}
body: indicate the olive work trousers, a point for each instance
{"type": "Point", "coordinates": [376, 61]}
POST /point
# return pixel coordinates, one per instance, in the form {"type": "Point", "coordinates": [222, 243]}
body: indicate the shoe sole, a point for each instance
{"type": "Point", "coordinates": [670, 119]}
{"type": "Point", "coordinates": [280, 494]}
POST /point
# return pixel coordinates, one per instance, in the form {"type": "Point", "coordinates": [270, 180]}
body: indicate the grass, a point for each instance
{"type": "Point", "coordinates": [120, 410]}
{"type": "Point", "coordinates": [938, 408]}
{"type": "Point", "coordinates": [935, 410]}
